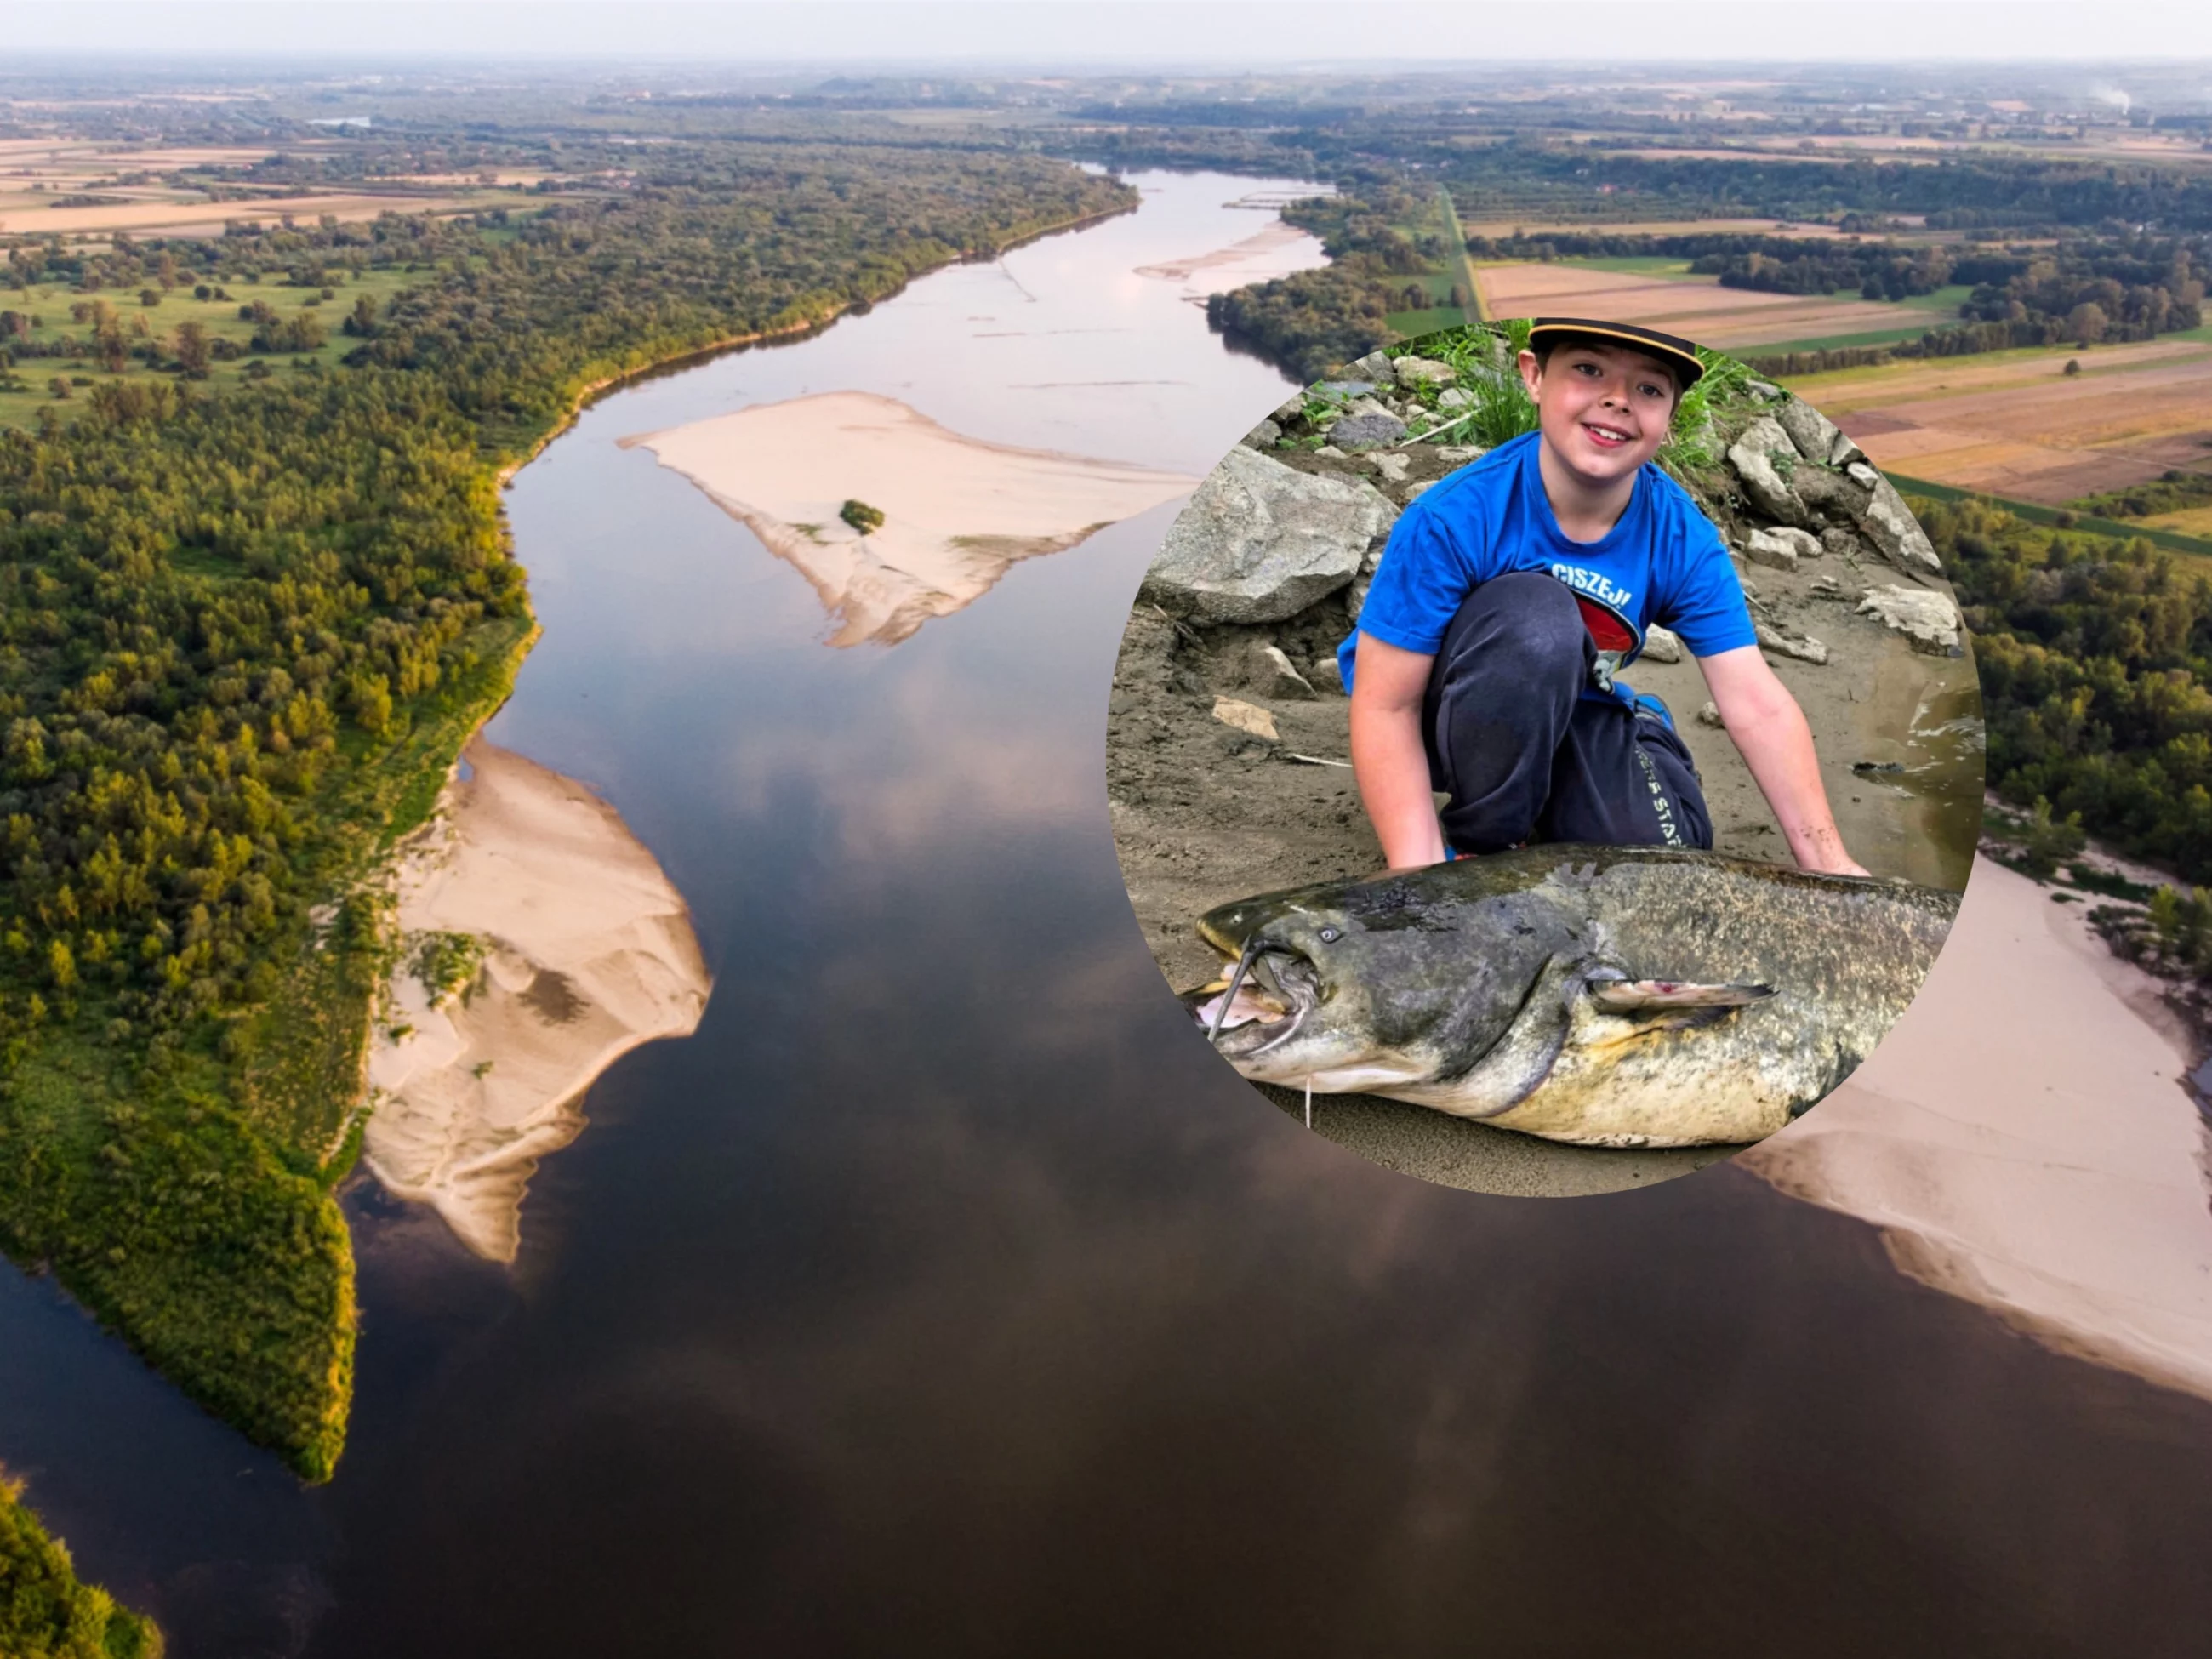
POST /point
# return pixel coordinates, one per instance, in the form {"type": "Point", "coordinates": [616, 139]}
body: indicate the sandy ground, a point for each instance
{"type": "Point", "coordinates": [957, 512]}
{"type": "Point", "coordinates": [2025, 428]}
{"type": "Point", "coordinates": [589, 952]}
{"type": "Point", "coordinates": [1698, 308]}
{"type": "Point", "coordinates": [2024, 1141]}
{"type": "Point", "coordinates": [1276, 249]}
{"type": "Point", "coordinates": [1203, 813]}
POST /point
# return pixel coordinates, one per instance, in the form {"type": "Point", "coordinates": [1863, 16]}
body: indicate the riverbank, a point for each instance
{"type": "Point", "coordinates": [2053, 1170]}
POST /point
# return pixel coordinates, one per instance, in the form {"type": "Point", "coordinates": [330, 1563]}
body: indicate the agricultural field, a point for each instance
{"type": "Point", "coordinates": [1663, 294]}
{"type": "Point", "coordinates": [2016, 423]}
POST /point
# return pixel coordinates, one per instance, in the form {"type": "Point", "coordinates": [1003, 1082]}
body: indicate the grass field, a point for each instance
{"type": "Point", "coordinates": [55, 313]}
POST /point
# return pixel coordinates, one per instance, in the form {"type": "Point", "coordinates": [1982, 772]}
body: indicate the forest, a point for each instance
{"type": "Point", "coordinates": [2094, 653]}
{"type": "Point", "coordinates": [244, 632]}
{"type": "Point", "coordinates": [46, 1611]}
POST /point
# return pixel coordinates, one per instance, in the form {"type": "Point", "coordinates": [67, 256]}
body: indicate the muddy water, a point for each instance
{"type": "Point", "coordinates": [943, 1293]}
{"type": "Point", "coordinates": [1922, 737]}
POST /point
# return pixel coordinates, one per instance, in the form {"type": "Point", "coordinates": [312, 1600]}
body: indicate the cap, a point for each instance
{"type": "Point", "coordinates": [1678, 353]}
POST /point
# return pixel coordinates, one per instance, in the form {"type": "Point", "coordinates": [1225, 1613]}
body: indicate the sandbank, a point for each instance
{"type": "Point", "coordinates": [588, 952]}
{"type": "Point", "coordinates": [957, 512]}
{"type": "Point", "coordinates": [1260, 257]}
{"type": "Point", "coordinates": [2023, 1141]}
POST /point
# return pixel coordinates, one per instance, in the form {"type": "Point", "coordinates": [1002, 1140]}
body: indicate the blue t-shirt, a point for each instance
{"type": "Point", "coordinates": [1663, 562]}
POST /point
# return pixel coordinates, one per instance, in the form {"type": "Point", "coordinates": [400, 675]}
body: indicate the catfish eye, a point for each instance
{"type": "Point", "coordinates": [1330, 935]}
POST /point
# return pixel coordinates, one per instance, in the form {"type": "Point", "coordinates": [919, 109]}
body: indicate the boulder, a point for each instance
{"type": "Point", "coordinates": [1261, 542]}
{"type": "Point", "coordinates": [1829, 496]}
{"type": "Point", "coordinates": [1924, 616]}
{"type": "Point", "coordinates": [1366, 431]}
{"type": "Point", "coordinates": [1890, 525]}
{"type": "Point", "coordinates": [1751, 457]}
{"type": "Point", "coordinates": [1271, 674]}
{"type": "Point", "coordinates": [1355, 596]}
{"type": "Point", "coordinates": [1264, 435]}
{"type": "Point", "coordinates": [1812, 433]}
{"type": "Point", "coordinates": [1414, 373]}
{"type": "Point", "coordinates": [1774, 639]}
{"type": "Point", "coordinates": [1453, 397]}
{"type": "Point", "coordinates": [1662, 644]}
{"type": "Point", "coordinates": [1374, 366]}
{"type": "Point", "coordinates": [1246, 717]}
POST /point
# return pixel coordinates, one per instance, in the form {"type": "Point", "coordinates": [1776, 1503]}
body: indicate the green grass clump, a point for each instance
{"type": "Point", "coordinates": [46, 1611]}
{"type": "Point", "coordinates": [863, 518]}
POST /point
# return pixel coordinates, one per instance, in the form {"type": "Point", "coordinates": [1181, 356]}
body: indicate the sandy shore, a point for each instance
{"type": "Point", "coordinates": [2023, 1141]}
{"type": "Point", "coordinates": [957, 512]}
{"type": "Point", "coordinates": [1276, 251]}
{"type": "Point", "coordinates": [587, 952]}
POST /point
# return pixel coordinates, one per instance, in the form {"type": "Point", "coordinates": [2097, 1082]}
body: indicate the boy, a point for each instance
{"type": "Point", "coordinates": [1510, 592]}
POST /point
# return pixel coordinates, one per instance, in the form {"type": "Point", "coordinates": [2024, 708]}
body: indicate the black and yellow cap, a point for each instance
{"type": "Point", "coordinates": [1678, 353]}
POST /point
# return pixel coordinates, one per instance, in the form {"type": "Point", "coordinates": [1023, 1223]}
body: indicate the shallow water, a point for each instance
{"type": "Point", "coordinates": [944, 1292]}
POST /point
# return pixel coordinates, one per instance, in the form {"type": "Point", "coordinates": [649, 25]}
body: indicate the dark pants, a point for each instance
{"type": "Point", "coordinates": [1525, 756]}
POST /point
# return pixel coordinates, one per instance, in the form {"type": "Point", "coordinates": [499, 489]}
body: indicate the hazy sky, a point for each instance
{"type": "Point", "coordinates": [1107, 33]}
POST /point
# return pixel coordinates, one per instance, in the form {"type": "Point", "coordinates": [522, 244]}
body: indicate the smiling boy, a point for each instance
{"type": "Point", "coordinates": [1511, 591]}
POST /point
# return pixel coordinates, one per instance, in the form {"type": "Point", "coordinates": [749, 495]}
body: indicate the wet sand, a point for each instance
{"type": "Point", "coordinates": [588, 952]}
{"type": "Point", "coordinates": [1276, 251]}
{"type": "Point", "coordinates": [957, 512]}
{"type": "Point", "coordinates": [2023, 1139]}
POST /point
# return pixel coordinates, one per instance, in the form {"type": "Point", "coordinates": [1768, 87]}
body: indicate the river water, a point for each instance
{"type": "Point", "coordinates": [943, 1294]}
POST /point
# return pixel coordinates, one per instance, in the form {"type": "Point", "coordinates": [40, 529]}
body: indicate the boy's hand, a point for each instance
{"type": "Point", "coordinates": [1769, 730]}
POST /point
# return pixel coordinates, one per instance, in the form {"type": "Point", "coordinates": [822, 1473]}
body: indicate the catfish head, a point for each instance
{"type": "Point", "coordinates": [1454, 986]}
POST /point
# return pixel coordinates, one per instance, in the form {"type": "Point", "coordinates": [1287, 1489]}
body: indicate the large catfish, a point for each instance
{"type": "Point", "coordinates": [1612, 996]}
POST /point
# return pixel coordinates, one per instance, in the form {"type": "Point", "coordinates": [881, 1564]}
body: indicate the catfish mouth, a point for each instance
{"type": "Point", "coordinates": [1262, 1001]}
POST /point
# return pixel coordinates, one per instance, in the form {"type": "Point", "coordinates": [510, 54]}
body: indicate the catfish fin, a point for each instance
{"type": "Point", "coordinates": [1656, 996]}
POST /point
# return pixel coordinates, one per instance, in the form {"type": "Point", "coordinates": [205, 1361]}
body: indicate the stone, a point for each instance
{"type": "Point", "coordinates": [1780, 549]}
{"type": "Point", "coordinates": [1774, 639]}
{"type": "Point", "coordinates": [1260, 542]}
{"type": "Point", "coordinates": [1844, 451]}
{"type": "Point", "coordinates": [1812, 433]}
{"type": "Point", "coordinates": [1838, 541]}
{"type": "Point", "coordinates": [1765, 391]}
{"type": "Point", "coordinates": [1413, 492]}
{"type": "Point", "coordinates": [1662, 644]}
{"type": "Point", "coordinates": [1355, 596]}
{"type": "Point", "coordinates": [1752, 459]}
{"type": "Point", "coordinates": [1366, 431]}
{"type": "Point", "coordinates": [1890, 525]}
{"type": "Point", "coordinates": [1453, 397]}
{"type": "Point", "coordinates": [1374, 366]}
{"type": "Point", "coordinates": [1710, 715]}
{"type": "Point", "coordinates": [1292, 408]}
{"type": "Point", "coordinates": [1862, 474]}
{"type": "Point", "coordinates": [1829, 496]}
{"type": "Point", "coordinates": [1460, 454]}
{"type": "Point", "coordinates": [1392, 467]}
{"type": "Point", "coordinates": [1272, 675]}
{"type": "Point", "coordinates": [1928, 619]}
{"type": "Point", "coordinates": [1246, 717]}
{"type": "Point", "coordinates": [1326, 677]}
{"type": "Point", "coordinates": [1414, 373]}
{"type": "Point", "coordinates": [1331, 451]}
{"type": "Point", "coordinates": [1264, 435]}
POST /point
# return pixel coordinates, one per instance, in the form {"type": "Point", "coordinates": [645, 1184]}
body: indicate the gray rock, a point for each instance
{"type": "Point", "coordinates": [1374, 366]}
{"type": "Point", "coordinates": [1751, 457]}
{"type": "Point", "coordinates": [1340, 391]}
{"type": "Point", "coordinates": [1365, 431]}
{"type": "Point", "coordinates": [1844, 451]}
{"type": "Point", "coordinates": [1392, 467]}
{"type": "Point", "coordinates": [1781, 548]}
{"type": "Point", "coordinates": [1453, 397]}
{"type": "Point", "coordinates": [1270, 673]}
{"type": "Point", "coordinates": [1774, 639]}
{"type": "Point", "coordinates": [1924, 616]}
{"type": "Point", "coordinates": [1331, 451]}
{"type": "Point", "coordinates": [1710, 715]}
{"type": "Point", "coordinates": [1833, 495]}
{"type": "Point", "coordinates": [1838, 541]}
{"type": "Point", "coordinates": [1765, 391]}
{"type": "Point", "coordinates": [1412, 492]}
{"type": "Point", "coordinates": [1812, 433]}
{"type": "Point", "coordinates": [1261, 542]}
{"type": "Point", "coordinates": [1662, 644]}
{"type": "Point", "coordinates": [1292, 408]}
{"type": "Point", "coordinates": [1460, 454]}
{"type": "Point", "coordinates": [1863, 475]}
{"type": "Point", "coordinates": [1263, 435]}
{"type": "Point", "coordinates": [1890, 525]}
{"type": "Point", "coordinates": [1325, 677]}
{"type": "Point", "coordinates": [1355, 596]}
{"type": "Point", "coordinates": [1415, 372]}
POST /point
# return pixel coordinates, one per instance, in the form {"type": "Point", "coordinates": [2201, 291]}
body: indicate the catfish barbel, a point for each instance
{"type": "Point", "coordinates": [1611, 996]}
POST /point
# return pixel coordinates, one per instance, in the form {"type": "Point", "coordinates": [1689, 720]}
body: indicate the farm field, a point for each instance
{"type": "Point", "coordinates": [1698, 307]}
{"type": "Point", "coordinates": [2016, 423]}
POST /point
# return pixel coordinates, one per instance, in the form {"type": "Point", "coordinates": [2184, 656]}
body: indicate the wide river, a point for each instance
{"type": "Point", "coordinates": [943, 1295]}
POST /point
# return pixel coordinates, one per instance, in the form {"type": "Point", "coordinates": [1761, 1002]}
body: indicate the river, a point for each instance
{"type": "Point", "coordinates": [943, 1293]}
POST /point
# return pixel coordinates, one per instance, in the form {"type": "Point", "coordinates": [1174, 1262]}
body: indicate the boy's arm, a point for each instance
{"type": "Point", "coordinates": [1769, 730]}
{"type": "Point", "coordinates": [1390, 763]}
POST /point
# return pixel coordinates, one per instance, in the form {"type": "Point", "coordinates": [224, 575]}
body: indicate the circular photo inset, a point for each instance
{"type": "Point", "coordinates": [1545, 758]}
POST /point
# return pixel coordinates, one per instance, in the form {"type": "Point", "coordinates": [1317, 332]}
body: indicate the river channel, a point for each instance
{"type": "Point", "coordinates": [943, 1295]}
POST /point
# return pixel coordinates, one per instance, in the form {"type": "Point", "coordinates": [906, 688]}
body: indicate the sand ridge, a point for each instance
{"type": "Point", "coordinates": [2023, 1141]}
{"type": "Point", "coordinates": [958, 512]}
{"type": "Point", "coordinates": [588, 952]}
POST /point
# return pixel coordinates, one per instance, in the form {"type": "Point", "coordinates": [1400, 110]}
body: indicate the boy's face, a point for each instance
{"type": "Point", "coordinates": [1602, 410]}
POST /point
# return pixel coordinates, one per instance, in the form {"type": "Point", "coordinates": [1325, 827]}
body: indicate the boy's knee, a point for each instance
{"type": "Point", "coordinates": [1526, 625]}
